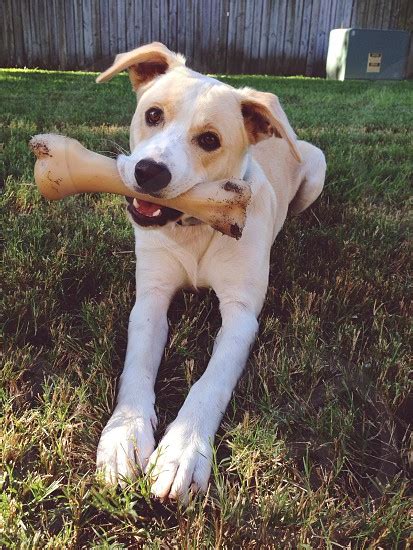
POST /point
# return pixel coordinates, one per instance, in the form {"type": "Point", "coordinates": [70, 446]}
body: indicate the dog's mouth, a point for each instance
{"type": "Point", "coordinates": [147, 213]}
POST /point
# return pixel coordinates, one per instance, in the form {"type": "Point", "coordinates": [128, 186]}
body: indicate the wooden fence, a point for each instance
{"type": "Point", "coordinates": [223, 36]}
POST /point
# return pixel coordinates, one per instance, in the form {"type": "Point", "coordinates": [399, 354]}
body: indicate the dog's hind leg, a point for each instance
{"type": "Point", "coordinates": [312, 178]}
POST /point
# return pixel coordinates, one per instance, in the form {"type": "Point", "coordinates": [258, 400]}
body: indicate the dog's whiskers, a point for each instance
{"type": "Point", "coordinates": [118, 149]}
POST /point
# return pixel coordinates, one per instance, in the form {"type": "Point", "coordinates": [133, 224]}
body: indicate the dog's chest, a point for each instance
{"type": "Point", "coordinates": [188, 245]}
{"type": "Point", "coordinates": [192, 251]}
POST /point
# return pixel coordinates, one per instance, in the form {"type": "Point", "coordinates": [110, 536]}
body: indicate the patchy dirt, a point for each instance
{"type": "Point", "coordinates": [236, 231]}
{"type": "Point", "coordinates": [234, 187]}
{"type": "Point", "coordinates": [39, 148]}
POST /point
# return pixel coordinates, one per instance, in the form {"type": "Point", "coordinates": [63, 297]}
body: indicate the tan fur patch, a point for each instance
{"type": "Point", "coordinates": [257, 122]}
{"type": "Point", "coordinates": [147, 70]}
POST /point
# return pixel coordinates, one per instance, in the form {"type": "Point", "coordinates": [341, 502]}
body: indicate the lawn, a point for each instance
{"type": "Point", "coordinates": [313, 449]}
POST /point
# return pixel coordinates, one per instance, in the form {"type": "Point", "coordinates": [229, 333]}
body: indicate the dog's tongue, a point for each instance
{"type": "Point", "coordinates": [146, 208]}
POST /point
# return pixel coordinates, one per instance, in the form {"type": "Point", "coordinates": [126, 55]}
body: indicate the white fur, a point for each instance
{"type": "Point", "coordinates": [173, 257]}
{"type": "Point", "coordinates": [171, 149]}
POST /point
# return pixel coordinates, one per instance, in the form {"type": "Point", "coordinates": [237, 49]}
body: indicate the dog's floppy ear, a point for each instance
{"type": "Point", "coordinates": [264, 117]}
{"type": "Point", "coordinates": [143, 64]}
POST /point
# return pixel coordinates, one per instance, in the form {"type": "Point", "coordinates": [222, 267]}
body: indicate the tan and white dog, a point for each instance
{"type": "Point", "coordinates": [190, 128]}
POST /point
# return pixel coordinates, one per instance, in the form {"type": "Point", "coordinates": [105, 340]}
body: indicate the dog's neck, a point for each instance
{"type": "Point", "coordinates": [245, 166]}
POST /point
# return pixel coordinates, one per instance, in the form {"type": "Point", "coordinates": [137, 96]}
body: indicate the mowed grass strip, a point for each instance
{"type": "Point", "coordinates": [313, 450]}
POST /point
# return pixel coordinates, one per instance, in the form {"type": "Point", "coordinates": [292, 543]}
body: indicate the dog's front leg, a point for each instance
{"type": "Point", "coordinates": [182, 461]}
{"type": "Point", "coordinates": [127, 439]}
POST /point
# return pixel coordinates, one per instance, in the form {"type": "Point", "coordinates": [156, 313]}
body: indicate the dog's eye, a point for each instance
{"type": "Point", "coordinates": [208, 141]}
{"type": "Point", "coordinates": [154, 116]}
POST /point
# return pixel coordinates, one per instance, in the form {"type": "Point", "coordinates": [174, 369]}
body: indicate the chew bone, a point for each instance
{"type": "Point", "coordinates": [64, 167]}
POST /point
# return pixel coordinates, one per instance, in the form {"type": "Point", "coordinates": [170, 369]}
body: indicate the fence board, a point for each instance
{"type": "Point", "coordinates": [219, 32]}
{"type": "Point", "coordinates": [201, 29]}
{"type": "Point", "coordinates": [34, 30]}
{"type": "Point", "coordinates": [321, 39]}
{"type": "Point", "coordinates": [47, 46]}
{"type": "Point", "coordinates": [189, 28]}
{"type": "Point", "coordinates": [17, 30]}
{"type": "Point", "coordinates": [247, 37]}
{"type": "Point", "coordinates": [348, 14]}
{"type": "Point", "coordinates": [180, 25]}
{"type": "Point", "coordinates": [385, 15]}
{"type": "Point", "coordinates": [79, 36]}
{"type": "Point", "coordinates": [64, 60]}
{"type": "Point", "coordinates": [137, 27]}
{"type": "Point", "coordinates": [171, 21]}
{"type": "Point", "coordinates": [129, 25]}
{"type": "Point", "coordinates": [239, 37]}
{"type": "Point", "coordinates": [257, 23]}
{"type": "Point", "coordinates": [301, 62]}
{"type": "Point", "coordinates": [281, 24]}
{"type": "Point", "coordinates": [312, 40]}
{"type": "Point", "coordinates": [393, 14]}
{"type": "Point", "coordinates": [53, 50]}
{"type": "Point", "coordinates": [102, 19]}
{"type": "Point", "coordinates": [8, 30]}
{"type": "Point", "coordinates": [3, 54]}
{"type": "Point", "coordinates": [291, 35]}
{"type": "Point", "coordinates": [113, 28]}
{"type": "Point", "coordinates": [69, 28]}
{"type": "Point", "coordinates": [295, 54]}
{"type": "Point", "coordinates": [262, 36]}
{"type": "Point", "coordinates": [121, 26]}
{"type": "Point", "coordinates": [291, 29]}
{"type": "Point", "coordinates": [231, 37]}
{"type": "Point", "coordinates": [371, 16]}
{"type": "Point", "coordinates": [272, 45]}
{"type": "Point", "coordinates": [88, 41]}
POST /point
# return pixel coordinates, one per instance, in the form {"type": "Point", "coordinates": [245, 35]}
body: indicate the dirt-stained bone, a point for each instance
{"type": "Point", "coordinates": [64, 167]}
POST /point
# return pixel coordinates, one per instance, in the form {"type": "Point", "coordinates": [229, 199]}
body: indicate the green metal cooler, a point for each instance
{"type": "Point", "coordinates": [367, 54]}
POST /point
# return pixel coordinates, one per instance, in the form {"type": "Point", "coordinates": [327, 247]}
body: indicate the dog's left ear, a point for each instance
{"type": "Point", "coordinates": [143, 64]}
{"type": "Point", "coordinates": [264, 117]}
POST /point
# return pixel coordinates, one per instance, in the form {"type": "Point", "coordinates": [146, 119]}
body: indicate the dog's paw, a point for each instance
{"type": "Point", "coordinates": [181, 464]}
{"type": "Point", "coordinates": [125, 445]}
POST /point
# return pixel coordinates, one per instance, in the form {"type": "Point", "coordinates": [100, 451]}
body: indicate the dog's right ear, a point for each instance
{"type": "Point", "coordinates": [143, 64]}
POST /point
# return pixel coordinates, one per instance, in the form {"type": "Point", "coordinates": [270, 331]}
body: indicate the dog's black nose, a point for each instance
{"type": "Point", "coordinates": [152, 176]}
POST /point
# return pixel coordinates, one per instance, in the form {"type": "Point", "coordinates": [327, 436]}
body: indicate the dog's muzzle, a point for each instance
{"type": "Point", "coordinates": [151, 177]}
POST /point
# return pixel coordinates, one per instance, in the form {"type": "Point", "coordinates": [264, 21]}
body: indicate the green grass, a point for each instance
{"type": "Point", "coordinates": [313, 450]}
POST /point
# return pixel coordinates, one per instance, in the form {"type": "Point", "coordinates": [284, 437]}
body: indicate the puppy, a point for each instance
{"type": "Point", "coordinates": [189, 128]}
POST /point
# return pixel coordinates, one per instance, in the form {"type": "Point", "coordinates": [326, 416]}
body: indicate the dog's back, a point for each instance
{"type": "Point", "coordinates": [295, 184]}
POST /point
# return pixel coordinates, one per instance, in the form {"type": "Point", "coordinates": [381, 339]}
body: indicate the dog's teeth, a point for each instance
{"type": "Point", "coordinates": [156, 213]}
{"type": "Point", "coordinates": [135, 203]}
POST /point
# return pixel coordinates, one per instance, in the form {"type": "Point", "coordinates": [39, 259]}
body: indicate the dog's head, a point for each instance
{"type": "Point", "coordinates": [188, 128]}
